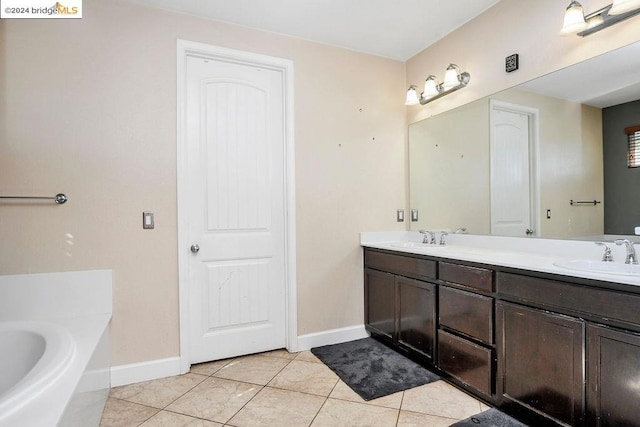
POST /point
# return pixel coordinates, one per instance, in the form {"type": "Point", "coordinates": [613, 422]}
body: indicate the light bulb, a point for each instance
{"type": "Point", "coordinates": [430, 87]}
{"type": "Point", "coordinates": [573, 19]}
{"type": "Point", "coordinates": [623, 6]}
{"type": "Point", "coordinates": [451, 77]}
{"type": "Point", "coordinates": [412, 96]}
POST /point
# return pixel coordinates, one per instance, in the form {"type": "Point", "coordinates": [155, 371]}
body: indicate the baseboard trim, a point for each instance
{"type": "Point", "coordinates": [161, 368]}
{"type": "Point", "coordinates": [144, 371]}
{"type": "Point", "coordinates": [332, 336]}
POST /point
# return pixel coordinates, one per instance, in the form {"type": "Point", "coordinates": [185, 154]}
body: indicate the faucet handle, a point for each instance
{"type": "Point", "coordinates": [442, 234]}
{"type": "Point", "coordinates": [607, 256]}
{"type": "Point", "coordinates": [429, 237]}
{"type": "Point", "coordinates": [632, 257]}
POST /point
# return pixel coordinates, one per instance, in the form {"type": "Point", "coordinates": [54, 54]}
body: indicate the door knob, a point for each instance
{"type": "Point", "coordinates": [195, 248]}
{"type": "Point", "coordinates": [529, 232]}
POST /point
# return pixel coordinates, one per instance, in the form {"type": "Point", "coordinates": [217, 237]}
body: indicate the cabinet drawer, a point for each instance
{"type": "Point", "coordinates": [468, 362]}
{"type": "Point", "coordinates": [400, 264]}
{"type": "Point", "coordinates": [603, 303]}
{"type": "Point", "coordinates": [472, 277]}
{"type": "Point", "coordinates": [467, 313]}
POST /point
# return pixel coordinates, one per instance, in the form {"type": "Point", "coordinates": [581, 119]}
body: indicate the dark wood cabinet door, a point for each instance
{"type": "Point", "coordinates": [380, 307]}
{"type": "Point", "coordinates": [613, 370]}
{"type": "Point", "coordinates": [541, 362]}
{"type": "Point", "coordinates": [417, 315]}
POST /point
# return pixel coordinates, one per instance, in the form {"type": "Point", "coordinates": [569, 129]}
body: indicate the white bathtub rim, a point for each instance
{"type": "Point", "coordinates": [60, 351]}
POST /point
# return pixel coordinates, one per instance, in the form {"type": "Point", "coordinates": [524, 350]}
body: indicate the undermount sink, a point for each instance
{"type": "Point", "coordinates": [415, 245]}
{"type": "Point", "coordinates": [600, 267]}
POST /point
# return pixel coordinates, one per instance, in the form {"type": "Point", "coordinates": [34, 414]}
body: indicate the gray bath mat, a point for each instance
{"type": "Point", "coordinates": [489, 418]}
{"type": "Point", "coordinates": [372, 369]}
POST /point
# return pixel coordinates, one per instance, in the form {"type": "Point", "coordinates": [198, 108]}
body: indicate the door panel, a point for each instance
{"type": "Point", "coordinates": [614, 377]}
{"type": "Point", "coordinates": [380, 302]}
{"type": "Point", "coordinates": [238, 151]}
{"type": "Point", "coordinates": [541, 362]}
{"type": "Point", "coordinates": [510, 173]}
{"type": "Point", "coordinates": [235, 151]}
{"type": "Point", "coordinates": [417, 315]}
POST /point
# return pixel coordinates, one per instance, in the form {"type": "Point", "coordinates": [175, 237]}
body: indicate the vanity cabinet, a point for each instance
{"type": "Point", "coordinates": [400, 304]}
{"type": "Point", "coordinates": [548, 349]}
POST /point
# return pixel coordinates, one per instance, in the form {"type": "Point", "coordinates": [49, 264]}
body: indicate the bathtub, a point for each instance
{"type": "Point", "coordinates": [34, 356]}
{"type": "Point", "coordinates": [54, 348]}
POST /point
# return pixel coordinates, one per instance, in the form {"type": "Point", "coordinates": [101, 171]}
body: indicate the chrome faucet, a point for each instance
{"type": "Point", "coordinates": [461, 230]}
{"type": "Point", "coordinates": [607, 256]}
{"type": "Point", "coordinates": [429, 237]}
{"type": "Point", "coordinates": [632, 257]}
{"type": "Point", "coordinates": [442, 234]}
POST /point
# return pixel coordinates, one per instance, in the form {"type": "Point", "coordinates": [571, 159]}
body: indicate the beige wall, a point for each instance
{"type": "Point", "coordinates": [530, 29]}
{"type": "Point", "coordinates": [88, 107]}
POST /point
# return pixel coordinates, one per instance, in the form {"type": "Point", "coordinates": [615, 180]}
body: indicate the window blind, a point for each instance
{"type": "Point", "coordinates": [633, 138]}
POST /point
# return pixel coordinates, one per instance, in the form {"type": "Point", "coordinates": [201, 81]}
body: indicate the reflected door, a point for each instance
{"type": "Point", "coordinates": [511, 173]}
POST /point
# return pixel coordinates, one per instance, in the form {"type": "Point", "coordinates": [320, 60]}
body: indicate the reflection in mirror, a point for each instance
{"type": "Point", "coordinates": [571, 128]}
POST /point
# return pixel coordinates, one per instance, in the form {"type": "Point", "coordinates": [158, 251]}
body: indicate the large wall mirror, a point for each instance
{"type": "Point", "coordinates": [547, 158]}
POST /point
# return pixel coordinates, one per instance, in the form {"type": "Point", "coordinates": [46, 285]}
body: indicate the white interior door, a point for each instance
{"type": "Point", "coordinates": [511, 173]}
{"type": "Point", "coordinates": [234, 135]}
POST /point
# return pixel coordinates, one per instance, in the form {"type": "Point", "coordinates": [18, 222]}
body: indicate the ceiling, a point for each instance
{"type": "Point", "coordinates": [396, 29]}
{"type": "Point", "coordinates": [602, 81]}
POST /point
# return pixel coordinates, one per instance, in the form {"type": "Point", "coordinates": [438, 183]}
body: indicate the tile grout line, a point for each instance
{"type": "Point", "coordinates": [400, 408]}
{"type": "Point", "coordinates": [243, 406]}
{"type": "Point", "coordinates": [326, 399]}
{"type": "Point", "coordinates": [261, 385]}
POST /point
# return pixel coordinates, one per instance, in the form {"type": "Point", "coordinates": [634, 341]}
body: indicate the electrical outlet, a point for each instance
{"type": "Point", "coordinates": [414, 215]}
{"type": "Point", "coordinates": [400, 215]}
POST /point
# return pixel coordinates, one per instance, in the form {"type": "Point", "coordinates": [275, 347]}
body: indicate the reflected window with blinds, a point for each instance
{"type": "Point", "coordinates": [633, 155]}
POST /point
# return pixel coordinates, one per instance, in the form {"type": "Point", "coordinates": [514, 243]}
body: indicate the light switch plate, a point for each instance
{"type": "Point", "coordinates": [414, 215]}
{"type": "Point", "coordinates": [147, 220]}
{"type": "Point", "coordinates": [400, 215]}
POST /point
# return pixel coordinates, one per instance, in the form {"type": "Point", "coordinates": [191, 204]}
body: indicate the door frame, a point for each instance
{"type": "Point", "coordinates": [534, 155]}
{"type": "Point", "coordinates": [185, 49]}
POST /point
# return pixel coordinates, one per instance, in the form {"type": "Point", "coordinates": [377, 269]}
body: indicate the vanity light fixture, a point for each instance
{"type": "Point", "coordinates": [576, 22]}
{"type": "Point", "coordinates": [433, 89]}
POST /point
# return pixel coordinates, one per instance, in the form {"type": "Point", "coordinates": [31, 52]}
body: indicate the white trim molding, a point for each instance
{"type": "Point", "coordinates": [145, 371]}
{"type": "Point", "coordinates": [188, 48]}
{"type": "Point", "coordinates": [171, 366]}
{"type": "Point", "coordinates": [332, 336]}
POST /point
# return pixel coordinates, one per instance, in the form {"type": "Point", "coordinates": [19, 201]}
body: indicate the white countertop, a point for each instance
{"type": "Point", "coordinates": [521, 253]}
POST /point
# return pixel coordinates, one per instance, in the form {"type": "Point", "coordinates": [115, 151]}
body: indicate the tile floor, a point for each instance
{"type": "Point", "coordinates": [278, 389]}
